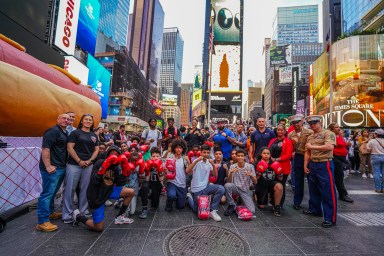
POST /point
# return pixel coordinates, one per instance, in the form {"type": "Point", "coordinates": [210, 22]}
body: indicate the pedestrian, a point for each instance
{"type": "Point", "coordinates": [259, 138]}
{"type": "Point", "coordinates": [241, 138]}
{"type": "Point", "coordinates": [194, 136]}
{"type": "Point", "coordinates": [319, 165]}
{"type": "Point", "coordinates": [120, 136]}
{"type": "Point", "coordinates": [225, 137]}
{"type": "Point", "coordinates": [170, 133]}
{"type": "Point", "coordinates": [52, 166]}
{"type": "Point", "coordinates": [365, 169]}
{"type": "Point", "coordinates": [83, 148]}
{"type": "Point", "coordinates": [376, 148]}
{"type": "Point", "coordinates": [152, 134]}
{"type": "Point", "coordinates": [71, 120]}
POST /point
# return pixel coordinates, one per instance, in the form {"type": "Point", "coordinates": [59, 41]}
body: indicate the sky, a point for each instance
{"type": "Point", "coordinates": [188, 16]}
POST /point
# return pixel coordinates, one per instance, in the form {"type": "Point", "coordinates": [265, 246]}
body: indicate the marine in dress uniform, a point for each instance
{"type": "Point", "coordinates": [299, 138]}
{"type": "Point", "coordinates": [318, 164]}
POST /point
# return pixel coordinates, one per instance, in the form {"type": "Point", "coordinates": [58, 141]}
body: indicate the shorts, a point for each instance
{"type": "Point", "coordinates": [263, 188]}
{"type": "Point", "coordinates": [98, 214]}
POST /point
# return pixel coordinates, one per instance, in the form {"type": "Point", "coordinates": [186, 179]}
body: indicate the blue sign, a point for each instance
{"type": "Point", "coordinates": [100, 80]}
{"type": "Point", "coordinates": [88, 24]}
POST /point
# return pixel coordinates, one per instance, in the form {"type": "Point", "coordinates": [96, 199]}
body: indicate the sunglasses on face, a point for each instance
{"type": "Point", "coordinates": [295, 122]}
{"type": "Point", "coordinates": [313, 122]}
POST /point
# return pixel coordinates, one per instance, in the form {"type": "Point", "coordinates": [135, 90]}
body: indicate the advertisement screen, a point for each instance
{"type": "Point", "coordinates": [66, 26]}
{"type": "Point", "coordinates": [198, 79]}
{"type": "Point", "coordinates": [358, 82]}
{"type": "Point", "coordinates": [196, 97]}
{"type": "Point", "coordinates": [285, 75]}
{"type": "Point", "coordinates": [88, 24]}
{"type": "Point", "coordinates": [226, 69]}
{"type": "Point", "coordinates": [169, 100]}
{"type": "Point", "coordinates": [281, 55]}
{"type": "Point", "coordinates": [106, 61]}
{"type": "Point", "coordinates": [76, 68]}
{"type": "Point", "coordinates": [226, 21]}
{"type": "Point", "coordinates": [100, 80]}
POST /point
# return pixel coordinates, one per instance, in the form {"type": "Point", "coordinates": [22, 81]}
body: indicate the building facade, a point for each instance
{"type": "Point", "coordinates": [185, 103]}
{"type": "Point", "coordinates": [113, 22]}
{"type": "Point", "coordinates": [362, 15]}
{"type": "Point", "coordinates": [333, 8]}
{"type": "Point", "coordinates": [172, 111]}
{"type": "Point", "coordinates": [171, 62]}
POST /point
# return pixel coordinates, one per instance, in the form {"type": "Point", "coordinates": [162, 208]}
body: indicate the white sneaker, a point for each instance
{"type": "Point", "coordinates": [364, 175]}
{"type": "Point", "coordinates": [371, 176]}
{"type": "Point", "coordinates": [75, 214]}
{"type": "Point", "coordinates": [213, 214]}
{"type": "Point", "coordinates": [189, 195]}
{"type": "Point", "coordinates": [108, 203]}
{"type": "Point", "coordinates": [123, 220]}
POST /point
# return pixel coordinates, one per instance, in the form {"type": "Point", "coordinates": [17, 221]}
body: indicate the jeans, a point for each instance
{"type": "Point", "coordinates": [175, 193]}
{"type": "Point", "coordinates": [211, 189]}
{"type": "Point", "coordinates": [51, 184]}
{"type": "Point", "coordinates": [377, 161]}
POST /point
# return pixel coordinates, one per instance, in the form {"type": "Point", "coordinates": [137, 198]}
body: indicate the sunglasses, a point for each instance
{"type": "Point", "coordinates": [295, 122]}
{"type": "Point", "coordinates": [312, 122]}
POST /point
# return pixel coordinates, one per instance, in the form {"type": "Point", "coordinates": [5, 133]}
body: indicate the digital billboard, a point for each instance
{"type": "Point", "coordinates": [169, 100]}
{"type": "Point", "coordinates": [226, 69]}
{"type": "Point", "coordinates": [285, 75]}
{"type": "Point", "coordinates": [226, 21]}
{"type": "Point", "coordinates": [198, 76]}
{"type": "Point", "coordinates": [76, 68]}
{"type": "Point", "coordinates": [100, 80]}
{"type": "Point", "coordinates": [358, 82]}
{"type": "Point", "coordinates": [88, 24]}
{"type": "Point", "coordinates": [66, 26]}
{"type": "Point", "coordinates": [281, 55]}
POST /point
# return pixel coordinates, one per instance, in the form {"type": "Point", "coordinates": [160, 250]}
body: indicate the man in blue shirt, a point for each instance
{"type": "Point", "coordinates": [241, 138]}
{"type": "Point", "coordinates": [226, 139]}
{"type": "Point", "coordinates": [259, 138]}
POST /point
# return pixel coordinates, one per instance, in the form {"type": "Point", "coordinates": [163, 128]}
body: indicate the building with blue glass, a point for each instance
{"type": "Point", "coordinates": [114, 16]}
{"type": "Point", "coordinates": [171, 62]}
{"type": "Point", "coordinates": [362, 15]}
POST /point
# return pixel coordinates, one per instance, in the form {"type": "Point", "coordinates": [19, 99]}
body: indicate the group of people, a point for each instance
{"type": "Point", "coordinates": [237, 167]}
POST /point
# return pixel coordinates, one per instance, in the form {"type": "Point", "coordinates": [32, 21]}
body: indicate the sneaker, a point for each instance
{"type": "Point", "coordinates": [55, 215]}
{"type": "Point", "coordinates": [121, 219]}
{"type": "Point", "coordinates": [68, 221]}
{"type": "Point", "coordinates": [213, 214]}
{"type": "Point", "coordinates": [118, 203]}
{"type": "Point", "coordinates": [46, 227]}
{"type": "Point", "coordinates": [230, 210]}
{"type": "Point", "coordinates": [276, 210]}
{"type": "Point", "coordinates": [108, 203]}
{"type": "Point", "coordinates": [364, 175]}
{"type": "Point", "coordinates": [189, 195]}
{"type": "Point", "coordinates": [144, 214]}
{"type": "Point", "coordinates": [370, 176]}
{"type": "Point", "coordinates": [75, 214]}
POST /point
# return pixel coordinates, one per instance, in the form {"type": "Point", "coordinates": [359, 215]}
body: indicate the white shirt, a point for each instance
{"type": "Point", "coordinates": [152, 134]}
{"type": "Point", "coordinates": [200, 177]}
{"type": "Point", "coordinates": [375, 147]}
{"type": "Point", "coordinates": [180, 179]}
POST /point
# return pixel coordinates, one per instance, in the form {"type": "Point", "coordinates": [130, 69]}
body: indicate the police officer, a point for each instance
{"type": "Point", "coordinates": [299, 138]}
{"type": "Point", "coordinates": [318, 164]}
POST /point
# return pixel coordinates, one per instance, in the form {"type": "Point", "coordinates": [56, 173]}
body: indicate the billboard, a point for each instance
{"type": "Point", "coordinates": [300, 107]}
{"type": "Point", "coordinates": [76, 68]}
{"type": "Point", "coordinates": [88, 24]}
{"type": "Point", "coordinates": [66, 26]}
{"type": "Point", "coordinates": [358, 82]}
{"type": "Point", "coordinates": [226, 21]}
{"type": "Point", "coordinates": [226, 98]}
{"type": "Point", "coordinates": [197, 96]}
{"type": "Point", "coordinates": [280, 55]}
{"type": "Point", "coordinates": [169, 100]}
{"type": "Point", "coordinates": [100, 80]}
{"type": "Point", "coordinates": [285, 75]}
{"type": "Point", "coordinates": [295, 87]}
{"type": "Point", "coordinates": [226, 69]}
{"type": "Point", "coordinates": [198, 76]}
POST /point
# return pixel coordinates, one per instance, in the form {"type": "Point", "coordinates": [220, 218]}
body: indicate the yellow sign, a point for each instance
{"type": "Point", "coordinates": [158, 111]}
{"type": "Point", "coordinates": [196, 97]}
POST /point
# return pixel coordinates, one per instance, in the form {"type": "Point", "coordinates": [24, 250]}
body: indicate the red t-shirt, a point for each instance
{"type": "Point", "coordinates": [341, 147]}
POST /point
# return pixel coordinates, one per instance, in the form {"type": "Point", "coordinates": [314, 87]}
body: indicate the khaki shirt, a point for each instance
{"type": "Point", "coordinates": [299, 141]}
{"type": "Point", "coordinates": [320, 139]}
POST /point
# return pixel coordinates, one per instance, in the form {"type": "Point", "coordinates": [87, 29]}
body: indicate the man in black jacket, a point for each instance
{"type": "Point", "coordinates": [194, 136]}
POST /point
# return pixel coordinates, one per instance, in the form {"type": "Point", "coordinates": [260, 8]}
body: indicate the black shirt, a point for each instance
{"type": "Point", "coordinates": [194, 138]}
{"type": "Point", "coordinates": [55, 139]}
{"type": "Point", "coordinates": [221, 175]}
{"type": "Point", "coordinates": [170, 131]}
{"type": "Point", "coordinates": [85, 143]}
{"type": "Point", "coordinates": [276, 148]}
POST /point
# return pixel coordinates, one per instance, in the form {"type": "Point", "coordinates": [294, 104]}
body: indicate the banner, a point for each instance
{"type": "Point", "coordinates": [76, 68]}
{"type": "Point", "coordinates": [169, 100]}
{"type": "Point", "coordinates": [66, 26]}
{"type": "Point", "coordinates": [281, 55]}
{"type": "Point", "coordinates": [196, 97]}
{"type": "Point", "coordinates": [100, 80]}
{"type": "Point", "coordinates": [226, 98]}
{"type": "Point", "coordinates": [88, 24]}
{"type": "Point", "coordinates": [300, 107]}
{"type": "Point", "coordinates": [285, 75]}
{"type": "Point", "coordinates": [295, 87]}
{"type": "Point", "coordinates": [226, 20]}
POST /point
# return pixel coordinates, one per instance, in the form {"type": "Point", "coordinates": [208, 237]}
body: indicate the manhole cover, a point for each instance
{"type": "Point", "coordinates": [205, 240]}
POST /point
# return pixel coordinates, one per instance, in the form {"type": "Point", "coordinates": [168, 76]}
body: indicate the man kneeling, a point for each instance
{"type": "Point", "coordinates": [240, 179]}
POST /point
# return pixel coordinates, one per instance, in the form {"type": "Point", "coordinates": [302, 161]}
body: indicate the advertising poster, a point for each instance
{"type": "Point", "coordinates": [226, 21]}
{"type": "Point", "coordinates": [198, 76]}
{"type": "Point", "coordinates": [285, 75]}
{"type": "Point", "coordinates": [88, 24]}
{"type": "Point", "coordinates": [226, 69]}
{"type": "Point", "coordinates": [196, 97]}
{"type": "Point", "coordinates": [169, 100]}
{"type": "Point", "coordinates": [300, 107]}
{"type": "Point", "coordinates": [295, 87]}
{"type": "Point", "coordinates": [358, 82]}
{"type": "Point", "coordinates": [281, 55]}
{"type": "Point", "coordinates": [319, 89]}
{"type": "Point", "coordinates": [100, 80]}
{"type": "Point", "coordinates": [76, 68]}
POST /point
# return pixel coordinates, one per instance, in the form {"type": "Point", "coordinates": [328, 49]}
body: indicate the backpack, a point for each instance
{"type": "Point", "coordinates": [174, 134]}
{"type": "Point", "coordinates": [146, 131]}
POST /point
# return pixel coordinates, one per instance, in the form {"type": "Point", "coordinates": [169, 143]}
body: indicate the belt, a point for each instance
{"type": "Point", "coordinates": [321, 160]}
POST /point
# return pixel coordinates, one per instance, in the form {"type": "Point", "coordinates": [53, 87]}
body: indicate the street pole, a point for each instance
{"type": "Point", "coordinates": [330, 70]}
{"type": "Point", "coordinates": [210, 73]}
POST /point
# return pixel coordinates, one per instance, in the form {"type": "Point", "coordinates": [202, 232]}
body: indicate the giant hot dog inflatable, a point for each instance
{"type": "Point", "coordinates": [33, 94]}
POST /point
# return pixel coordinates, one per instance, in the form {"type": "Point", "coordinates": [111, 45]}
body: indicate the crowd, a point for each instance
{"type": "Point", "coordinates": [233, 165]}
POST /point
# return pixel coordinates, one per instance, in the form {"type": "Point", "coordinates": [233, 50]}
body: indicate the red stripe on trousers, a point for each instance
{"type": "Point", "coordinates": [332, 190]}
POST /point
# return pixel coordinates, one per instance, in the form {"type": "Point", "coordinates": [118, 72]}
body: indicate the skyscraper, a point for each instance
{"type": "Point", "coordinates": [171, 62]}
{"type": "Point", "coordinates": [114, 19]}
{"type": "Point", "coordinates": [332, 7]}
{"type": "Point", "coordinates": [362, 15]}
{"type": "Point", "coordinates": [185, 103]}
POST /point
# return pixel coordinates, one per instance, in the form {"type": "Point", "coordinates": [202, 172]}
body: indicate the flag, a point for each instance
{"type": "Point", "coordinates": [211, 45]}
{"type": "Point", "coordinates": [328, 41]}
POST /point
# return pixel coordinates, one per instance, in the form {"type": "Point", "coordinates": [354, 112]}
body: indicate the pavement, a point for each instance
{"type": "Point", "coordinates": [359, 230]}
